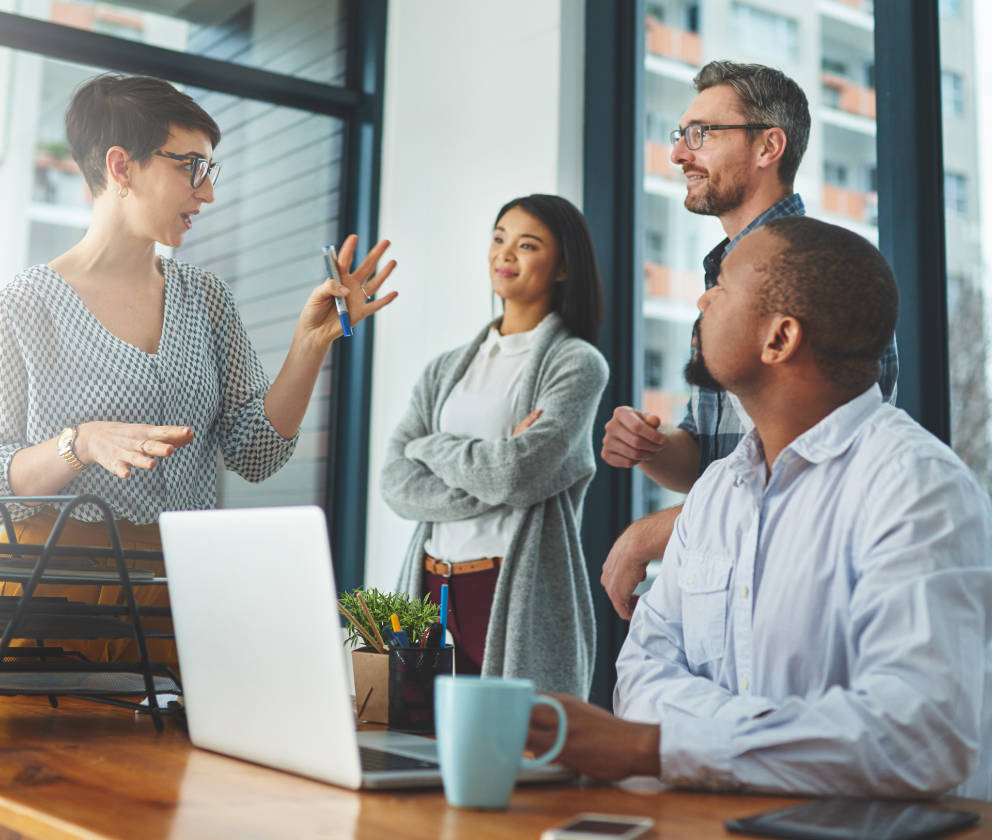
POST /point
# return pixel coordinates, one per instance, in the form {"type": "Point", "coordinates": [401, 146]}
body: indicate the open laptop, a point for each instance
{"type": "Point", "coordinates": [264, 670]}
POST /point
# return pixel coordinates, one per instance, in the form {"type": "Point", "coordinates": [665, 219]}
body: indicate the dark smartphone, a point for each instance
{"type": "Point", "coordinates": [855, 819]}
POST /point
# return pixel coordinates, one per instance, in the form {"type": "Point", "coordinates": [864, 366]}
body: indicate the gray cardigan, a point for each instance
{"type": "Point", "coordinates": [542, 625]}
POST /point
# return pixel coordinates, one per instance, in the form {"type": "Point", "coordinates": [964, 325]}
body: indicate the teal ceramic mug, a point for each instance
{"type": "Point", "coordinates": [481, 725]}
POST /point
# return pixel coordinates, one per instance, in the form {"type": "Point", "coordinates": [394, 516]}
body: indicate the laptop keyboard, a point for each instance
{"type": "Point", "coordinates": [373, 759]}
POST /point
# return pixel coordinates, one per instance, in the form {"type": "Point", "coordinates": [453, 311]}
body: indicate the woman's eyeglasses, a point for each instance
{"type": "Point", "coordinates": [199, 168]}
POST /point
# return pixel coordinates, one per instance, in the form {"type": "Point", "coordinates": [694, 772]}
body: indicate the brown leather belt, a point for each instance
{"type": "Point", "coordinates": [439, 567]}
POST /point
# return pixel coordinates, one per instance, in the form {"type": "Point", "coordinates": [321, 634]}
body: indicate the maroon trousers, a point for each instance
{"type": "Point", "coordinates": [470, 600]}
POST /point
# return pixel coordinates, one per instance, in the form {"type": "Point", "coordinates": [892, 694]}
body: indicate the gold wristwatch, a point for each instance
{"type": "Point", "coordinates": [65, 441]}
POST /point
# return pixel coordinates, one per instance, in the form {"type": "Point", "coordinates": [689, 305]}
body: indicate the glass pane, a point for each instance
{"type": "Point", "coordinates": [304, 38]}
{"type": "Point", "coordinates": [828, 48]}
{"type": "Point", "coordinates": [966, 88]}
{"type": "Point", "coordinates": [276, 205]}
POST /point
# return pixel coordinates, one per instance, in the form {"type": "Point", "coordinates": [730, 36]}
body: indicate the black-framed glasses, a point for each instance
{"type": "Point", "coordinates": [693, 133]}
{"type": "Point", "coordinates": [199, 168]}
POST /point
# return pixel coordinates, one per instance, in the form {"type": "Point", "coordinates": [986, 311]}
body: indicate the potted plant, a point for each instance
{"type": "Point", "coordinates": [367, 613]}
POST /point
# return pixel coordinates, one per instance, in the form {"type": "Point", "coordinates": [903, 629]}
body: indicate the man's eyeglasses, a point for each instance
{"type": "Point", "coordinates": [693, 133]}
{"type": "Point", "coordinates": [199, 168]}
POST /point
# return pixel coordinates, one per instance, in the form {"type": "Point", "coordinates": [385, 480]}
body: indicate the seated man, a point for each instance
{"type": "Point", "coordinates": [822, 620]}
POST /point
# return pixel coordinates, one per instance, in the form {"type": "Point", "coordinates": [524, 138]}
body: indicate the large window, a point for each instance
{"type": "Point", "coordinates": [283, 190]}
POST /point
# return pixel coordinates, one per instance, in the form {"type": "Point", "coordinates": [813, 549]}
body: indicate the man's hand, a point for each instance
{"type": "Point", "coordinates": [626, 564]}
{"type": "Point", "coordinates": [598, 744]}
{"type": "Point", "coordinates": [631, 437]}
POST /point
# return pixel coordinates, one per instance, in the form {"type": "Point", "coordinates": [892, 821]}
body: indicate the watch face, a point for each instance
{"type": "Point", "coordinates": [65, 439]}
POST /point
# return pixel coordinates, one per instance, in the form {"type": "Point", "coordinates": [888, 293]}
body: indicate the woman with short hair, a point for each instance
{"type": "Point", "coordinates": [125, 374]}
{"type": "Point", "coordinates": [494, 456]}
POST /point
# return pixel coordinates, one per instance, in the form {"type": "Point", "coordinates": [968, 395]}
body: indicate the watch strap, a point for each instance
{"type": "Point", "coordinates": [67, 451]}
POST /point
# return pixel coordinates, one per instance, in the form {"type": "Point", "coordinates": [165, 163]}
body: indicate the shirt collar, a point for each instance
{"type": "Point", "coordinates": [829, 438]}
{"type": "Point", "coordinates": [512, 345]}
{"type": "Point", "coordinates": [835, 433]}
{"type": "Point", "coordinates": [791, 205]}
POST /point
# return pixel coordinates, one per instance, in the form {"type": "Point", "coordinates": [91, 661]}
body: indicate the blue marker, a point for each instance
{"type": "Point", "coordinates": [331, 264]}
{"type": "Point", "coordinates": [444, 615]}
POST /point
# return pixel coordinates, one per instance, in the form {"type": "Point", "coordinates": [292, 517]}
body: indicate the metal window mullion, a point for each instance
{"type": "Point", "coordinates": [346, 502]}
{"type": "Point", "coordinates": [911, 201]}
{"type": "Point", "coordinates": [613, 177]}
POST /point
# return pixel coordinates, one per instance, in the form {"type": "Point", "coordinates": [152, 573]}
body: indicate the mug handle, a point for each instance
{"type": "Point", "coordinates": [550, 755]}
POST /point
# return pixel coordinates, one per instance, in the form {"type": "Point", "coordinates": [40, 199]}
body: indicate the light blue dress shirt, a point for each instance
{"type": "Point", "coordinates": [826, 631]}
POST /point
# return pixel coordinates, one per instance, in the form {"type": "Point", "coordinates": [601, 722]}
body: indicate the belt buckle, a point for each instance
{"type": "Point", "coordinates": [451, 569]}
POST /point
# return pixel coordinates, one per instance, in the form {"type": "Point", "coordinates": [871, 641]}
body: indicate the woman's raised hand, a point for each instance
{"type": "Point", "coordinates": [319, 318]}
{"type": "Point", "coordinates": [117, 447]}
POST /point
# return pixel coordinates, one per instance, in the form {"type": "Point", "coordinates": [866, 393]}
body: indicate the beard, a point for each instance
{"type": "Point", "coordinates": [696, 373]}
{"type": "Point", "coordinates": [716, 201]}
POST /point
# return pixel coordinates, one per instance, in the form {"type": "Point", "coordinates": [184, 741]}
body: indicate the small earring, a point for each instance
{"type": "Point", "coordinates": [122, 192]}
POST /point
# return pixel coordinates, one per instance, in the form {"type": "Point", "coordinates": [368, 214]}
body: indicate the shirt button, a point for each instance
{"type": "Point", "coordinates": [745, 683]}
{"type": "Point", "coordinates": [744, 591]}
{"type": "Point", "coordinates": [692, 579]}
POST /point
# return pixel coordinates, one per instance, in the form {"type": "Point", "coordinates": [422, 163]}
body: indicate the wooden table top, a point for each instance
{"type": "Point", "coordinates": [88, 771]}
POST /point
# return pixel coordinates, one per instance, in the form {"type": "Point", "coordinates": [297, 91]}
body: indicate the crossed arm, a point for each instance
{"type": "Point", "coordinates": [438, 476]}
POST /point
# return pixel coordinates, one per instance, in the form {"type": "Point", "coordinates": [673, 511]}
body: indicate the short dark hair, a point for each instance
{"type": "Point", "coordinates": [768, 96]}
{"type": "Point", "coordinates": [842, 291]}
{"type": "Point", "coordinates": [579, 298]}
{"type": "Point", "coordinates": [133, 112]}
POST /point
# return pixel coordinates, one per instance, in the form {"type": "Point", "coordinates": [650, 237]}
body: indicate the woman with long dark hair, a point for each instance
{"type": "Point", "coordinates": [494, 456]}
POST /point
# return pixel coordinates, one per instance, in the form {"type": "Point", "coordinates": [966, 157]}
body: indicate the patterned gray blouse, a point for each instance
{"type": "Point", "coordinates": [59, 366]}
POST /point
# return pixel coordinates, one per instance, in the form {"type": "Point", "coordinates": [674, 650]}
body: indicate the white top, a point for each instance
{"type": "Point", "coordinates": [483, 404]}
{"type": "Point", "coordinates": [827, 631]}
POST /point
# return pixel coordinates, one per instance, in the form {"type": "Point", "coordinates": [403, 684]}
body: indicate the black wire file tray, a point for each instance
{"type": "Point", "coordinates": [54, 669]}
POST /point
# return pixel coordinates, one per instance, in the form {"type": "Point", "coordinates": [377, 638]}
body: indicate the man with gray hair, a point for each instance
{"type": "Point", "coordinates": [739, 145]}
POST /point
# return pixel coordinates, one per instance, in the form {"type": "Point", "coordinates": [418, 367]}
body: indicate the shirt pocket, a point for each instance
{"type": "Point", "coordinates": [703, 580]}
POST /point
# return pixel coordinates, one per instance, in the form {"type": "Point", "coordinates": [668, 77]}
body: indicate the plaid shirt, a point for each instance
{"type": "Point", "coordinates": [710, 416]}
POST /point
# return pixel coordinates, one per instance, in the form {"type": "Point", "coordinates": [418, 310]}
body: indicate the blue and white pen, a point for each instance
{"type": "Point", "coordinates": [331, 264]}
{"type": "Point", "coordinates": [444, 614]}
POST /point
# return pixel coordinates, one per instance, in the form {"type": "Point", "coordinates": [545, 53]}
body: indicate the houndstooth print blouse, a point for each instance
{"type": "Point", "coordinates": [60, 367]}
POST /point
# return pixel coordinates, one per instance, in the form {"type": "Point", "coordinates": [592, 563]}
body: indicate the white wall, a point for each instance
{"type": "Point", "coordinates": [483, 103]}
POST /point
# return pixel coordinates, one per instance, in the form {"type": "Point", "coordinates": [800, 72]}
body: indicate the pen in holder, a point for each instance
{"type": "Point", "coordinates": [411, 685]}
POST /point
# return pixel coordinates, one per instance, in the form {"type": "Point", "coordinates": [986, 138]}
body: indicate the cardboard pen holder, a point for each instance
{"type": "Point", "coordinates": [371, 671]}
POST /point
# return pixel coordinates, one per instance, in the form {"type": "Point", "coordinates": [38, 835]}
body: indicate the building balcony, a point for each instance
{"type": "Point", "coordinates": [860, 206]}
{"type": "Point", "coordinates": [856, 15]}
{"type": "Point", "coordinates": [660, 281]}
{"type": "Point", "coordinates": [667, 405]}
{"type": "Point", "coordinates": [669, 42]}
{"type": "Point", "coordinates": [93, 17]}
{"type": "Point", "coordinates": [58, 181]}
{"type": "Point", "coordinates": [847, 96]}
{"type": "Point", "coordinates": [867, 6]}
{"type": "Point", "coordinates": [657, 160]}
